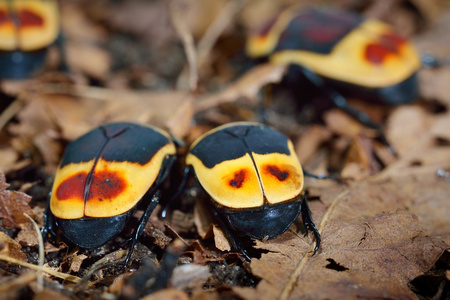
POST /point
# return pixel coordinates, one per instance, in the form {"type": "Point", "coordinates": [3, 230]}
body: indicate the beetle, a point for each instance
{"type": "Point", "coordinates": [254, 180]}
{"type": "Point", "coordinates": [27, 29]}
{"type": "Point", "coordinates": [103, 177]}
{"type": "Point", "coordinates": [341, 52]}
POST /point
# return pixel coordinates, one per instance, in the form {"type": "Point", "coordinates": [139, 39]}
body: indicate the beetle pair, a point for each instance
{"type": "Point", "coordinates": [250, 171]}
{"type": "Point", "coordinates": [339, 53]}
{"type": "Point", "coordinates": [27, 29]}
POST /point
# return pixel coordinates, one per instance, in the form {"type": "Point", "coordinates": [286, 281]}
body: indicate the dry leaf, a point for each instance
{"type": "Point", "coordinates": [76, 261]}
{"type": "Point", "coordinates": [179, 122]}
{"type": "Point", "coordinates": [371, 245]}
{"type": "Point", "coordinates": [8, 157]}
{"type": "Point", "coordinates": [89, 59]}
{"type": "Point", "coordinates": [49, 294]}
{"type": "Point", "coordinates": [202, 220]}
{"type": "Point", "coordinates": [167, 294]}
{"type": "Point", "coordinates": [220, 239]}
{"type": "Point", "coordinates": [11, 248]}
{"type": "Point", "coordinates": [13, 205]}
{"type": "Point", "coordinates": [149, 20]}
{"type": "Point", "coordinates": [341, 123]}
{"type": "Point", "coordinates": [440, 128]}
{"type": "Point", "coordinates": [27, 235]}
{"type": "Point", "coordinates": [310, 141]}
{"type": "Point", "coordinates": [406, 126]}
{"type": "Point", "coordinates": [191, 276]}
{"type": "Point", "coordinates": [246, 87]}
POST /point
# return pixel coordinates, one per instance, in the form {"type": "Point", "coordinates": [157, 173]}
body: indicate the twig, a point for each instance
{"type": "Point", "coordinates": [11, 110]}
{"type": "Point", "coordinates": [49, 271]}
{"type": "Point", "coordinates": [20, 281]}
{"type": "Point", "coordinates": [214, 31]}
{"type": "Point", "coordinates": [287, 290]}
{"type": "Point", "coordinates": [179, 23]}
{"type": "Point", "coordinates": [39, 274]}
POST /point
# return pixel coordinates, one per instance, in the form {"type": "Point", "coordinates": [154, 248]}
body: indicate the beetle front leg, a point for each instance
{"type": "Point", "coordinates": [169, 204]}
{"type": "Point", "coordinates": [309, 223]}
{"type": "Point", "coordinates": [142, 222]}
{"type": "Point", "coordinates": [49, 222]}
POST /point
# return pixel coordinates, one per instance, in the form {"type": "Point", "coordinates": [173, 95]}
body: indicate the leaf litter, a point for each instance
{"type": "Point", "coordinates": [386, 227]}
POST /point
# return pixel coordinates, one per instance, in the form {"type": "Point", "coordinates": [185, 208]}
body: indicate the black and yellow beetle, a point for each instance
{"type": "Point", "coordinates": [27, 29]}
{"type": "Point", "coordinates": [342, 52]}
{"type": "Point", "coordinates": [254, 180]}
{"type": "Point", "coordinates": [103, 177]}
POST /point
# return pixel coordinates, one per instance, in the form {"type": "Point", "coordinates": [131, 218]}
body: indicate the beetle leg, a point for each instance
{"type": "Point", "coordinates": [322, 176]}
{"type": "Point", "coordinates": [431, 62]}
{"type": "Point", "coordinates": [232, 238]}
{"type": "Point", "coordinates": [142, 222]}
{"type": "Point", "coordinates": [181, 187]}
{"type": "Point", "coordinates": [342, 104]}
{"type": "Point", "coordinates": [60, 44]}
{"type": "Point", "coordinates": [309, 223]}
{"type": "Point", "coordinates": [165, 169]}
{"type": "Point", "coordinates": [49, 222]}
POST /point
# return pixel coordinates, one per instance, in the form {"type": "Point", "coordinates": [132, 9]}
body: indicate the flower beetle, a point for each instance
{"type": "Point", "coordinates": [27, 29]}
{"type": "Point", "coordinates": [103, 177]}
{"type": "Point", "coordinates": [254, 180]}
{"type": "Point", "coordinates": [341, 52]}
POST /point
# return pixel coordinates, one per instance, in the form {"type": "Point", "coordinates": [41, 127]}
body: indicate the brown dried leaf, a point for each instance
{"type": "Point", "coordinates": [13, 205]}
{"type": "Point", "coordinates": [359, 162]}
{"type": "Point", "coordinates": [308, 143]}
{"type": "Point", "coordinates": [436, 41]}
{"type": "Point", "coordinates": [430, 10]}
{"type": "Point", "coordinates": [372, 246]}
{"type": "Point", "coordinates": [77, 26]}
{"type": "Point", "coordinates": [246, 87]}
{"type": "Point", "coordinates": [220, 239]}
{"type": "Point", "coordinates": [256, 14]}
{"type": "Point", "coordinates": [341, 123]}
{"type": "Point", "coordinates": [190, 276]}
{"type": "Point", "coordinates": [167, 294]}
{"type": "Point", "coordinates": [149, 20]}
{"type": "Point", "coordinates": [49, 294]}
{"type": "Point", "coordinates": [202, 220]}
{"type": "Point", "coordinates": [89, 59]}
{"type": "Point", "coordinates": [440, 128]}
{"type": "Point", "coordinates": [11, 248]}
{"type": "Point", "coordinates": [77, 260]}
{"type": "Point", "coordinates": [179, 122]}
{"type": "Point", "coordinates": [27, 235]}
{"type": "Point", "coordinates": [8, 157]}
{"type": "Point", "coordinates": [406, 126]}
{"type": "Point", "coordinates": [74, 116]}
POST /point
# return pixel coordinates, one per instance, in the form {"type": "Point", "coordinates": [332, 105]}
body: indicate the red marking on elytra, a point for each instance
{"type": "Point", "coordinates": [388, 44]}
{"type": "Point", "coordinates": [106, 184]}
{"type": "Point", "coordinates": [30, 18]}
{"type": "Point", "coordinates": [72, 187]}
{"type": "Point", "coordinates": [275, 171]}
{"type": "Point", "coordinates": [3, 17]}
{"type": "Point", "coordinates": [238, 179]}
{"type": "Point", "coordinates": [27, 18]}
